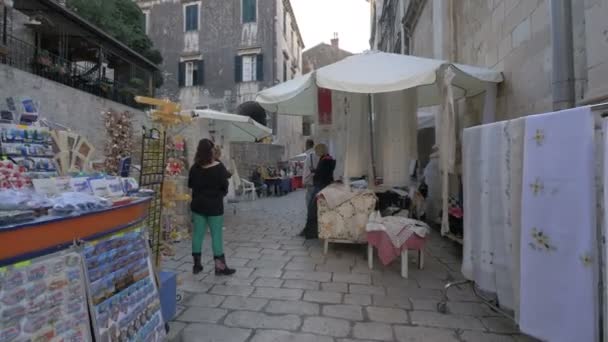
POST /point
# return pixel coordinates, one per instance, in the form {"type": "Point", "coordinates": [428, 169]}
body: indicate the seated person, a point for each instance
{"type": "Point", "coordinates": [270, 180]}
{"type": "Point", "coordinates": [258, 182]}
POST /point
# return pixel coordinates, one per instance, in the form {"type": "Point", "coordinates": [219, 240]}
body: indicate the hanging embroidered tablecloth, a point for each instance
{"type": "Point", "coordinates": [559, 292]}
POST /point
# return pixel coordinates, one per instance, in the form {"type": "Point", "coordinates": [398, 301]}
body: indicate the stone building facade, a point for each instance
{"type": "Point", "coordinates": [219, 53]}
{"type": "Point", "coordinates": [323, 54]}
{"type": "Point", "coordinates": [534, 42]}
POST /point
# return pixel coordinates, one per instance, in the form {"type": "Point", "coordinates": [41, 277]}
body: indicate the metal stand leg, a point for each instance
{"type": "Point", "coordinates": [421, 259]}
{"type": "Point", "coordinates": [325, 246]}
{"type": "Point", "coordinates": [442, 306]}
{"type": "Point", "coordinates": [370, 256]}
{"type": "Point", "coordinates": [404, 263]}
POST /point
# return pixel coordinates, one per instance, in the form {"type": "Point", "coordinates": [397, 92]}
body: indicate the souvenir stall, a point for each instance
{"type": "Point", "coordinates": [527, 182]}
{"type": "Point", "coordinates": [383, 91]}
{"type": "Point", "coordinates": [77, 239]}
{"type": "Point", "coordinates": [80, 245]}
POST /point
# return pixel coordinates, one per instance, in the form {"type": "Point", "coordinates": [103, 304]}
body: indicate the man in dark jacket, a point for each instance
{"type": "Point", "coordinates": [323, 176]}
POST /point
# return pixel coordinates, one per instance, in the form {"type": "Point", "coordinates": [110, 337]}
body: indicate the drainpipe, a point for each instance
{"type": "Point", "coordinates": [563, 55]}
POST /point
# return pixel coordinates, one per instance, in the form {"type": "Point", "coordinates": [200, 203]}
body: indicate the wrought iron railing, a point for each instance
{"type": "Point", "coordinates": [82, 75]}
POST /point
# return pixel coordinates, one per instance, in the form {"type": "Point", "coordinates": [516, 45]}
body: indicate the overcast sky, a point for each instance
{"type": "Point", "coordinates": [319, 19]}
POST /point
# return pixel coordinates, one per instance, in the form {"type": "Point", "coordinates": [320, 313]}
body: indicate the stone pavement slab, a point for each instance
{"type": "Point", "coordinates": [350, 312]}
{"type": "Point", "coordinates": [286, 336]}
{"type": "Point", "coordinates": [243, 303]}
{"type": "Point", "coordinates": [301, 284]}
{"type": "Point", "coordinates": [326, 326]}
{"type": "Point", "coordinates": [292, 307]}
{"type": "Point", "coordinates": [202, 315]}
{"type": "Point", "coordinates": [273, 293]}
{"type": "Point", "coordinates": [286, 289]}
{"type": "Point", "coordinates": [323, 297]}
{"type": "Point", "coordinates": [232, 290]}
{"type": "Point", "coordinates": [213, 333]}
{"type": "Point", "coordinates": [373, 331]}
{"type": "Point", "coordinates": [387, 315]}
{"type": "Point", "coordinates": [211, 301]}
{"type": "Point", "coordinates": [258, 320]}
{"type": "Point", "coordinates": [422, 334]}
{"type": "Point", "coordinates": [435, 319]}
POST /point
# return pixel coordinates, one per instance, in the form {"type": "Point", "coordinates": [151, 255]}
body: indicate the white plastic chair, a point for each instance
{"type": "Point", "coordinates": [247, 187]}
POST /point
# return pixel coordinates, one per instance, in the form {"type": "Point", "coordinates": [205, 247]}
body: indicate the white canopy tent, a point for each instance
{"type": "Point", "coordinates": [240, 128]}
{"type": "Point", "coordinates": [386, 90]}
{"type": "Point", "coordinates": [373, 73]}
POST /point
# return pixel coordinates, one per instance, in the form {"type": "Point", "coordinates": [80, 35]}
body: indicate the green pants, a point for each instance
{"type": "Point", "coordinates": [216, 226]}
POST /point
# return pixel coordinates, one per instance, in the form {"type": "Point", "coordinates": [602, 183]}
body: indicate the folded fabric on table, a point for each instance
{"type": "Point", "coordinates": [559, 292]}
{"type": "Point", "coordinates": [337, 194]}
{"type": "Point", "coordinates": [391, 234]}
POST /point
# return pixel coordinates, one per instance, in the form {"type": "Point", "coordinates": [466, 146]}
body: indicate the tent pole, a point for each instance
{"type": "Point", "coordinates": [371, 138]}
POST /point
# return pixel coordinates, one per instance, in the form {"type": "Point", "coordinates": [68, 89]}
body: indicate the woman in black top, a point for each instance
{"type": "Point", "coordinates": [208, 180]}
{"type": "Point", "coordinates": [323, 176]}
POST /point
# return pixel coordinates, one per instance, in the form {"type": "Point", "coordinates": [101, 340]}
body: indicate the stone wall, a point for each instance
{"type": "Point", "coordinates": [80, 111]}
{"type": "Point", "coordinates": [421, 44]}
{"type": "Point", "coordinates": [514, 36]}
{"type": "Point", "coordinates": [249, 156]}
{"type": "Point", "coordinates": [596, 41]}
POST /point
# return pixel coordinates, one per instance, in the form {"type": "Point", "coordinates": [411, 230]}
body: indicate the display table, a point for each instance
{"type": "Point", "coordinates": [51, 233]}
{"type": "Point", "coordinates": [387, 252]}
{"type": "Point", "coordinates": [342, 216]}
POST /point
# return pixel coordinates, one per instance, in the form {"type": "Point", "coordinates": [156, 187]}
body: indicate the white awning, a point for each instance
{"type": "Point", "coordinates": [375, 72]}
{"type": "Point", "coordinates": [242, 128]}
{"type": "Point", "coordinates": [297, 96]}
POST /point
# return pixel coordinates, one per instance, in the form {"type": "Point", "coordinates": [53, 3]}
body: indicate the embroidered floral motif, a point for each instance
{"type": "Point", "coordinates": [541, 241]}
{"type": "Point", "coordinates": [537, 187]}
{"type": "Point", "coordinates": [539, 137]}
{"type": "Point", "coordinates": [587, 260]}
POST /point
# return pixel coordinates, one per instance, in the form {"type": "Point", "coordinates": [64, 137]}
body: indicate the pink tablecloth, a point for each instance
{"type": "Point", "coordinates": [386, 251]}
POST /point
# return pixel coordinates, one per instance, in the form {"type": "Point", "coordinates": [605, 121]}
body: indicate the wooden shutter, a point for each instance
{"type": "Point", "coordinates": [259, 64]}
{"type": "Point", "coordinates": [238, 69]}
{"type": "Point", "coordinates": [245, 8]}
{"type": "Point", "coordinates": [201, 73]}
{"type": "Point", "coordinates": [181, 74]}
{"type": "Point", "coordinates": [249, 11]}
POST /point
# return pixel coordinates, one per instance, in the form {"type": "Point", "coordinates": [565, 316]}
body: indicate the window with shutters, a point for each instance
{"type": "Point", "coordinates": [249, 68]}
{"type": "Point", "coordinates": [191, 73]}
{"type": "Point", "coordinates": [249, 11]}
{"type": "Point", "coordinates": [191, 17]}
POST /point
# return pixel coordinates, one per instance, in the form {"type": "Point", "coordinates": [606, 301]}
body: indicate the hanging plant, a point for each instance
{"type": "Point", "coordinates": [119, 143]}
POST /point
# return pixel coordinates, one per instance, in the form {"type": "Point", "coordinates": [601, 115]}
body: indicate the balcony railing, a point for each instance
{"type": "Point", "coordinates": [82, 75]}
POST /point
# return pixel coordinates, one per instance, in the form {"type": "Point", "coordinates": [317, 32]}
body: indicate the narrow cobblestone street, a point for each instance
{"type": "Point", "coordinates": [285, 289]}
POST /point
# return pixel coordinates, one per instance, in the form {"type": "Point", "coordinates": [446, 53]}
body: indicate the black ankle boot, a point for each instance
{"type": "Point", "coordinates": [221, 268]}
{"type": "Point", "coordinates": [198, 267]}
